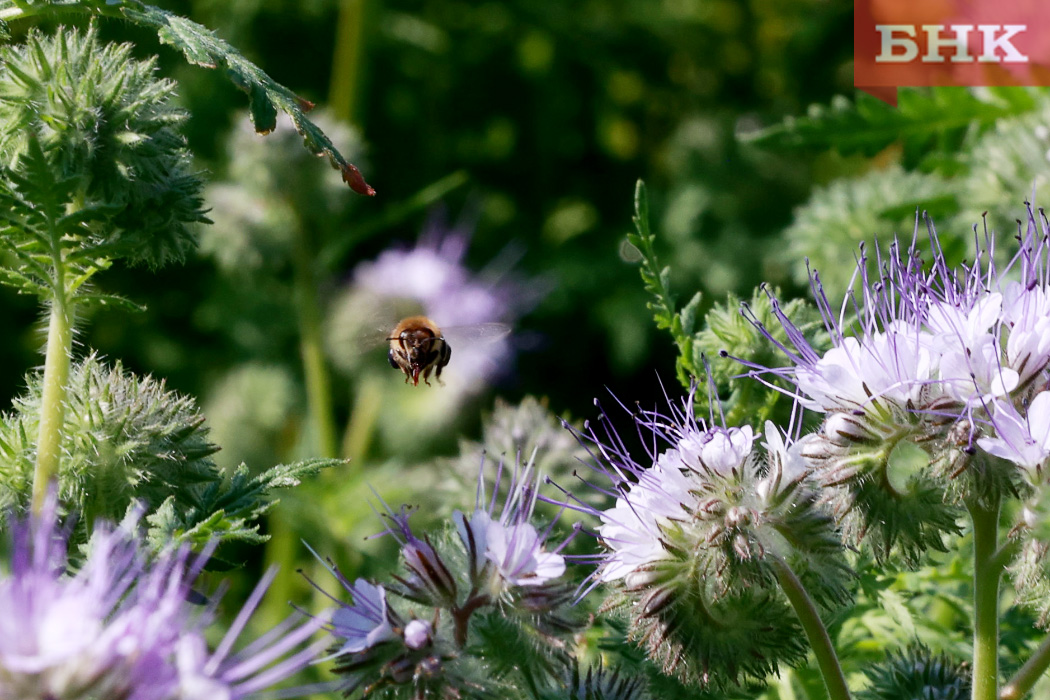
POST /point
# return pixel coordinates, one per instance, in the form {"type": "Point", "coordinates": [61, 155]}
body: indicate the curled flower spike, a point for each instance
{"type": "Point", "coordinates": [946, 359]}
{"type": "Point", "coordinates": [693, 541]}
{"type": "Point", "coordinates": [122, 626]}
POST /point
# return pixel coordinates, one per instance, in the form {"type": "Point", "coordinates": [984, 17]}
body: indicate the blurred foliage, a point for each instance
{"type": "Point", "coordinates": [967, 157]}
{"type": "Point", "coordinates": [552, 114]}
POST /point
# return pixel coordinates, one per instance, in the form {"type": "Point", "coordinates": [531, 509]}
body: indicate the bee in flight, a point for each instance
{"type": "Point", "coordinates": [418, 347]}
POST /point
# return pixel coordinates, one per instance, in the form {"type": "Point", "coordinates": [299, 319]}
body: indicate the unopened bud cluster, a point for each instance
{"type": "Point", "coordinates": [429, 633]}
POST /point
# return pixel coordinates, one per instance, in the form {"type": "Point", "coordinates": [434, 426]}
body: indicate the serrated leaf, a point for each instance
{"type": "Point", "coordinates": [201, 47]}
{"type": "Point", "coordinates": [110, 301]}
{"type": "Point", "coordinates": [688, 314]}
{"type": "Point", "coordinates": [23, 283]}
{"type": "Point", "coordinates": [939, 116]}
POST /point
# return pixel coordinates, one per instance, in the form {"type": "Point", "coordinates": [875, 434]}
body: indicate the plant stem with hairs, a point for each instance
{"type": "Point", "coordinates": [986, 576]}
{"type": "Point", "coordinates": [816, 632]}
{"type": "Point", "coordinates": [56, 375]}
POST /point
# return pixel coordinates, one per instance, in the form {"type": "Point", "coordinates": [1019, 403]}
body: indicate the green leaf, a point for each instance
{"type": "Point", "coordinates": [936, 118]}
{"type": "Point", "coordinates": [228, 510]}
{"type": "Point", "coordinates": [109, 301]}
{"type": "Point", "coordinates": [657, 282]}
{"type": "Point", "coordinates": [23, 283]}
{"type": "Point", "coordinates": [201, 47]}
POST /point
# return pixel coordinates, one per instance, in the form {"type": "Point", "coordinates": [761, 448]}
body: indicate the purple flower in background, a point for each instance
{"type": "Point", "coordinates": [122, 627]}
{"type": "Point", "coordinates": [434, 274]}
{"type": "Point", "coordinates": [432, 279]}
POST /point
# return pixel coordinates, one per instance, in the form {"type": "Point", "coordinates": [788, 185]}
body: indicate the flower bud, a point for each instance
{"type": "Point", "coordinates": [417, 634]}
{"type": "Point", "coordinates": [431, 580]}
{"type": "Point", "coordinates": [843, 428]}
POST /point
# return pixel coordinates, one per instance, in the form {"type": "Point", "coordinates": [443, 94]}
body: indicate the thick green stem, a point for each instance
{"type": "Point", "coordinates": [987, 572]}
{"type": "Point", "coordinates": [816, 633]}
{"type": "Point", "coordinates": [1026, 677]}
{"type": "Point", "coordinates": [53, 397]}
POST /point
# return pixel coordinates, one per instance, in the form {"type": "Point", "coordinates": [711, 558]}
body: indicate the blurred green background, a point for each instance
{"type": "Point", "coordinates": [550, 112]}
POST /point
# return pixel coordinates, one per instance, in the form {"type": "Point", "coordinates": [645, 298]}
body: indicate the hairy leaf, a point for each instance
{"type": "Point", "coordinates": [228, 510]}
{"type": "Point", "coordinates": [657, 283]}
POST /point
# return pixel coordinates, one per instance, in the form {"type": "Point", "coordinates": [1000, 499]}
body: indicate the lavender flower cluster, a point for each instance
{"type": "Point", "coordinates": [935, 400]}
{"type": "Point", "coordinates": [120, 625]}
{"type": "Point", "coordinates": [707, 525]}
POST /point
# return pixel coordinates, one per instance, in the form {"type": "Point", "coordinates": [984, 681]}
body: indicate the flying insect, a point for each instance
{"type": "Point", "coordinates": [418, 347]}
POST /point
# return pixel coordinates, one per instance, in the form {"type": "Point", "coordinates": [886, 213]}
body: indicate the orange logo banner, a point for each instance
{"type": "Point", "coordinates": [898, 43]}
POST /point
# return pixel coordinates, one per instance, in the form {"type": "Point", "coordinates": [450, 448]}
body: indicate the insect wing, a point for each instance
{"type": "Point", "coordinates": [476, 333]}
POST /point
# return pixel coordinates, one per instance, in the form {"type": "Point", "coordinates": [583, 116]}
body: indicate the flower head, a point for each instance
{"type": "Point", "coordinates": [1021, 439]}
{"type": "Point", "coordinates": [364, 622]}
{"type": "Point", "coordinates": [505, 548]}
{"type": "Point", "coordinates": [121, 626]}
{"type": "Point", "coordinates": [947, 358]}
{"type": "Point", "coordinates": [457, 586]}
{"type": "Point", "coordinates": [695, 535]}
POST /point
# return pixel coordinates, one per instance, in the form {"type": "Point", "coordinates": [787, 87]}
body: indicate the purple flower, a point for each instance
{"type": "Point", "coordinates": [929, 343]}
{"type": "Point", "coordinates": [1023, 440]}
{"type": "Point", "coordinates": [122, 627]}
{"type": "Point", "coordinates": [432, 279]}
{"type": "Point", "coordinates": [515, 550]}
{"type": "Point", "coordinates": [508, 546]}
{"type": "Point", "coordinates": [363, 622]}
{"type": "Point", "coordinates": [697, 533]}
{"type": "Point", "coordinates": [676, 483]}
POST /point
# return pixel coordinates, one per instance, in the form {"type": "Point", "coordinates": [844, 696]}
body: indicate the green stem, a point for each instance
{"type": "Point", "coordinates": [57, 361]}
{"type": "Point", "coordinates": [987, 572]}
{"type": "Point", "coordinates": [361, 427]}
{"type": "Point", "coordinates": [11, 14]}
{"type": "Point", "coordinates": [1033, 669]}
{"type": "Point", "coordinates": [816, 633]}
{"type": "Point", "coordinates": [315, 369]}
{"type": "Point", "coordinates": [53, 397]}
{"type": "Point", "coordinates": [346, 63]}
{"type": "Point", "coordinates": [1006, 554]}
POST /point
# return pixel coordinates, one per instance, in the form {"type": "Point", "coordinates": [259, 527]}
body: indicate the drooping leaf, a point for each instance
{"type": "Point", "coordinates": [202, 47]}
